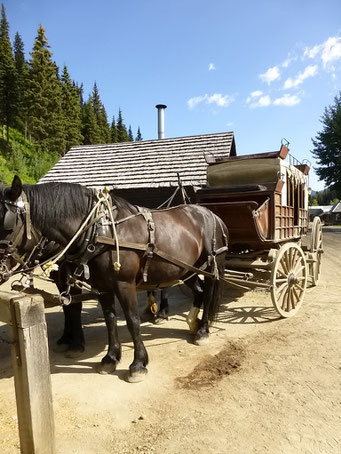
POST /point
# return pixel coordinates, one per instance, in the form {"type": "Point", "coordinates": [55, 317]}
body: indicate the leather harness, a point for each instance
{"type": "Point", "coordinates": [96, 237]}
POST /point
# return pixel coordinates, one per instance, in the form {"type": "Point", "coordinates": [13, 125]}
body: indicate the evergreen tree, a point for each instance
{"type": "Point", "coordinates": [101, 116]}
{"type": "Point", "coordinates": [72, 111]}
{"type": "Point", "coordinates": [91, 131]}
{"type": "Point", "coordinates": [130, 134]}
{"type": "Point", "coordinates": [122, 135]}
{"type": "Point", "coordinates": [46, 121]}
{"type": "Point", "coordinates": [8, 77]}
{"type": "Point", "coordinates": [138, 137]}
{"type": "Point", "coordinates": [113, 131]}
{"type": "Point", "coordinates": [22, 73]}
{"type": "Point", "coordinates": [327, 146]}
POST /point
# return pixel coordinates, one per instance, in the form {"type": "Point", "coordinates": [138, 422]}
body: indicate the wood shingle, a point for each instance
{"type": "Point", "coordinates": [145, 164]}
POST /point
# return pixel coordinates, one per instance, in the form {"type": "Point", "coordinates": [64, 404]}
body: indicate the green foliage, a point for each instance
{"type": "Point", "coordinates": [113, 131]}
{"type": "Point", "coordinates": [130, 133]}
{"type": "Point", "coordinates": [46, 122]}
{"type": "Point", "coordinates": [138, 137]}
{"type": "Point", "coordinates": [91, 131]}
{"type": "Point", "coordinates": [8, 77]}
{"type": "Point", "coordinates": [314, 202]}
{"type": "Point", "coordinates": [325, 197]}
{"type": "Point", "coordinates": [72, 111]}
{"type": "Point", "coordinates": [327, 146]}
{"type": "Point", "coordinates": [334, 201]}
{"type": "Point", "coordinates": [19, 157]}
{"type": "Point", "coordinates": [122, 134]}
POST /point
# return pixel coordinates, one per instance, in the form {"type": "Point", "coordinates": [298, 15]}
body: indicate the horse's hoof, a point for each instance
{"type": "Point", "coordinates": [137, 376]}
{"type": "Point", "coordinates": [201, 341]}
{"type": "Point", "coordinates": [147, 316]}
{"type": "Point", "coordinates": [61, 348]}
{"type": "Point", "coordinates": [160, 320]}
{"type": "Point", "coordinates": [106, 368]}
{"type": "Point", "coordinates": [74, 352]}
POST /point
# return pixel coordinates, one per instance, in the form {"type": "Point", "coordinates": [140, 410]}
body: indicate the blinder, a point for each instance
{"type": "Point", "coordinates": [12, 215]}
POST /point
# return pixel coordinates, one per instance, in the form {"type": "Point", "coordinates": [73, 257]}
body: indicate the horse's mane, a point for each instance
{"type": "Point", "coordinates": [50, 203]}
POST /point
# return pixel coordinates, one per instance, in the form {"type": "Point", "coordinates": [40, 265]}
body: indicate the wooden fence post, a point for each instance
{"type": "Point", "coordinates": [30, 360]}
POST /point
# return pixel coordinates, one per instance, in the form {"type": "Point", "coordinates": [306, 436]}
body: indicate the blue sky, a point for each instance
{"type": "Point", "coordinates": [265, 70]}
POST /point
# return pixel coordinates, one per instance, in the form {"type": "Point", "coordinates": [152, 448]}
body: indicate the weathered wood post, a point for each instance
{"type": "Point", "coordinates": [31, 366]}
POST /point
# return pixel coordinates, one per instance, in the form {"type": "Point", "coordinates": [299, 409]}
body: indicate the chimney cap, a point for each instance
{"type": "Point", "coordinates": [161, 106]}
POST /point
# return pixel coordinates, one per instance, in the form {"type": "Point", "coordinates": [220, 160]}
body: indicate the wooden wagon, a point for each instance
{"type": "Point", "coordinates": [263, 199]}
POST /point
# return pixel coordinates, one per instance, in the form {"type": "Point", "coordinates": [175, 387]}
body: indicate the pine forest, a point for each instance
{"type": "Point", "coordinates": [42, 111]}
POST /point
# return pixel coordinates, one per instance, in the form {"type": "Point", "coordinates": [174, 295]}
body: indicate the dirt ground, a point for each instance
{"type": "Point", "coordinates": [262, 384]}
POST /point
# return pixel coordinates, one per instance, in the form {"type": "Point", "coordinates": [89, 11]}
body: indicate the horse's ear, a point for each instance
{"type": "Point", "coordinates": [16, 189]}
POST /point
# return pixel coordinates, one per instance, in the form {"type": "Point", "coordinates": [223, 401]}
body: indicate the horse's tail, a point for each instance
{"type": "Point", "coordinates": [218, 284]}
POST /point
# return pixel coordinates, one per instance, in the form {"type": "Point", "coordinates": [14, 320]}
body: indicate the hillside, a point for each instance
{"type": "Point", "coordinates": [19, 157]}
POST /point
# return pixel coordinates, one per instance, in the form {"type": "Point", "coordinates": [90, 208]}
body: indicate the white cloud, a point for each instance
{"type": "Point", "coordinates": [211, 67]}
{"type": "Point", "coordinates": [287, 100]}
{"type": "Point", "coordinates": [329, 52]}
{"type": "Point", "coordinates": [259, 101]}
{"type": "Point", "coordinates": [270, 75]}
{"type": "Point", "coordinates": [218, 99]}
{"type": "Point", "coordinates": [310, 71]}
{"type": "Point", "coordinates": [253, 95]}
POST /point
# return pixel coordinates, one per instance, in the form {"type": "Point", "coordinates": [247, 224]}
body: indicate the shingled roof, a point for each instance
{"type": "Point", "coordinates": [145, 164]}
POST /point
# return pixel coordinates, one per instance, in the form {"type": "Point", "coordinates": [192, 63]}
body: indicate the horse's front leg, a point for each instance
{"type": "Point", "coordinates": [112, 358]}
{"type": "Point", "coordinates": [126, 293]}
{"type": "Point", "coordinates": [72, 340]}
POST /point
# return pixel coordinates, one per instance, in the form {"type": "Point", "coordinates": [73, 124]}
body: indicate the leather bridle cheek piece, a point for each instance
{"type": "Point", "coordinates": [10, 223]}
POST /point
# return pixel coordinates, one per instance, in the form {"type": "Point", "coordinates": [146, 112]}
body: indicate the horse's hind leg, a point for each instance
{"type": "Point", "coordinates": [202, 334]}
{"type": "Point", "coordinates": [192, 317]}
{"type": "Point", "coordinates": [113, 356]}
{"type": "Point", "coordinates": [126, 293]}
{"type": "Point", "coordinates": [163, 312]}
{"type": "Point", "coordinates": [72, 340]}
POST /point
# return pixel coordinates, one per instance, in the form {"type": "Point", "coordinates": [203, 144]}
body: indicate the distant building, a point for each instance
{"type": "Point", "coordinates": [321, 210]}
{"type": "Point", "coordinates": [333, 217]}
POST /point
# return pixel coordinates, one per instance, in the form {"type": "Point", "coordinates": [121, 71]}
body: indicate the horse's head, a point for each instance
{"type": "Point", "coordinates": [12, 209]}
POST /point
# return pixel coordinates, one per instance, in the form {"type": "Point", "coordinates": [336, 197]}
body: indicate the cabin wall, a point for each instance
{"type": "Point", "coordinates": [154, 197]}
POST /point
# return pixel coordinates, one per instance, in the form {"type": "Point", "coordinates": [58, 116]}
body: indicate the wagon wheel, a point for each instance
{"type": "Point", "coordinates": [289, 279]}
{"type": "Point", "coordinates": [316, 251]}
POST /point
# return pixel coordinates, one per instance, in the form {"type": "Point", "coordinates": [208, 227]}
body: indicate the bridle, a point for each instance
{"type": "Point", "coordinates": [17, 224]}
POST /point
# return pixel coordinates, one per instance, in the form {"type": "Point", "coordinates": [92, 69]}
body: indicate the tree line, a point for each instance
{"type": "Point", "coordinates": [327, 152]}
{"type": "Point", "coordinates": [45, 105]}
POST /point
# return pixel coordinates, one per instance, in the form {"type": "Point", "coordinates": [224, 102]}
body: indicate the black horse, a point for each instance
{"type": "Point", "coordinates": [106, 241]}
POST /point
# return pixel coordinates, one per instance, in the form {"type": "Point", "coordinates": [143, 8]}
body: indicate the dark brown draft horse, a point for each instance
{"type": "Point", "coordinates": [116, 248]}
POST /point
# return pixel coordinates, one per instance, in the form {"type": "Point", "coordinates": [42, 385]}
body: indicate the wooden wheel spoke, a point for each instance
{"type": "Point", "coordinates": [296, 294]}
{"type": "Point", "coordinates": [299, 270]}
{"type": "Point", "coordinates": [284, 299]}
{"type": "Point", "coordinates": [282, 273]}
{"type": "Point", "coordinates": [293, 258]}
{"type": "Point", "coordinates": [280, 289]}
{"type": "Point", "coordinates": [280, 281]}
{"type": "Point", "coordinates": [284, 265]}
{"type": "Point", "coordinates": [291, 304]}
